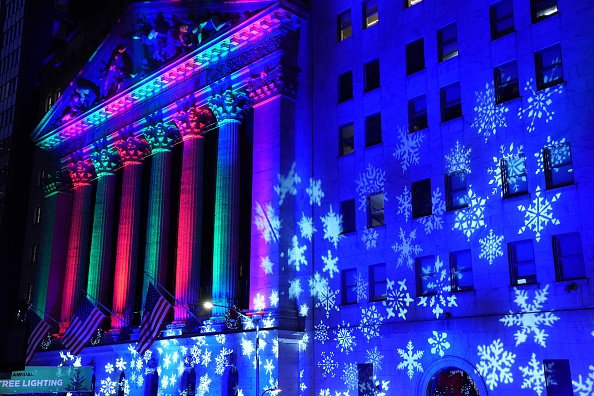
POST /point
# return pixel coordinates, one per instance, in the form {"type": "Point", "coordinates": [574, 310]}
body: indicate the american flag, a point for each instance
{"type": "Point", "coordinates": [82, 326]}
{"type": "Point", "coordinates": [38, 328]}
{"type": "Point", "coordinates": [156, 308]}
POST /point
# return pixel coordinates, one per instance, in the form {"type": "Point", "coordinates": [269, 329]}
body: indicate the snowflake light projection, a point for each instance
{"type": "Point", "coordinates": [296, 257]}
{"type": "Point", "coordinates": [108, 386]}
{"type": "Point", "coordinates": [407, 248]}
{"type": "Point", "coordinates": [435, 220]}
{"type": "Point", "coordinates": [306, 227]}
{"type": "Point", "coordinates": [259, 302]}
{"type": "Point", "coordinates": [370, 182]}
{"type": "Point", "coordinates": [303, 310]}
{"type": "Point", "coordinates": [538, 215]}
{"type": "Point", "coordinates": [295, 289]}
{"type": "Point", "coordinates": [459, 159]}
{"type": "Point", "coordinates": [405, 203]}
{"type": "Point", "coordinates": [327, 299]}
{"type": "Point", "coordinates": [266, 265]}
{"type": "Point", "coordinates": [332, 227]}
{"type": "Point", "coordinates": [495, 364]}
{"type": "Point", "coordinates": [327, 364]}
{"type": "Point", "coordinates": [585, 386]}
{"type": "Point", "coordinates": [375, 357]}
{"type": "Point", "coordinates": [407, 150]}
{"type": "Point", "coordinates": [273, 298]}
{"type": "Point", "coordinates": [360, 288]}
{"type": "Point", "coordinates": [315, 192]}
{"type": "Point", "coordinates": [321, 332]}
{"type": "Point", "coordinates": [287, 184]}
{"type": "Point", "coordinates": [495, 171]}
{"type": "Point", "coordinates": [397, 299]}
{"type": "Point", "coordinates": [440, 284]}
{"type": "Point", "coordinates": [439, 343]}
{"type": "Point", "coordinates": [371, 321]}
{"type": "Point", "coordinates": [350, 376]}
{"type": "Point", "coordinates": [533, 375]}
{"type": "Point", "coordinates": [330, 264]}
{"type": "Point", "coordinates": [538, 104]}
{"type": "Point", "coordinates": [559, 151]}
{"type": "Point", "coordinates": [345, 340]}
{"type": "Point", "coordinates": [369, 238]}
{"type": "Point", "coordinates": [491, 247]}
{"type": "Point", "coordinates": [410, 362]}
{"type": "Point", "coordinates": [471, 218]}
{"type": "Point", "coordinates": [267, 222]}
{"type": "Point", "coordinates": [489, 115]}
{"type": "Point", "coordinates": [529, 319]}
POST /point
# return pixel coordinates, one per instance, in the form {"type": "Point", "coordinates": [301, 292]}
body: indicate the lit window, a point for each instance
{"type": "Point", "coordinates": [549, 69]}
{"type": "Point", "coordinates": [345, 25]}
{"type": "Point", "coordinates": [451, 104]}
{"type": "Point", "coordinates": [409, 3]}
{"type": "Point", "coordinates": [347, 138]}
{"type": "Point", "coordinates": [542, 9]}
{"type": "Point", "coordinates": [557, 376]}
{"type": "Point", "coordinates": [569, 259]}
{"type": "Point", "coordinates": [348, 213]}
{"type": "Point", "coordinates": [377, 282]}
{"type": "Point", "coordinates": [49, 101]}
{"type": "Point", "coordinates": [37, 215]}
{"type": "Point", "coordinates": [349, 286]}
{"type": "Point", "coordinates": [33, 258]}
{"type": "Point", "coordinates": [558, 165]}
{"type": "Point", "coordinates": [506, 82]}
{"type": "Point", "coordinates": [58, 93]}
{"type": "Point", "coordinates": [502, 18]}
{"type": "Point", "coordinates": [373, 129]}
{"type": "Point", "coordinates": [417, 114]}
{"type": "Point", "coordinates": [426, 276]}
{"type": "Point", "coordinates": [421, 198]}
{"type": "Point", "coordinates": [447, 42]}
{"type": "Point", "coordinates": [345, 86]}
{"type": "Point", "coordinates": [513, 176]}
{"type": "Point", "coordinates": [375, 209]}
{"type": "Point", "coordinates": [370, 13]}
{"type": "Point", "coordinates": [522, 266]}
{"type": "Point", "coordinates": [461, 270]}
{"type": "Point", "coordinates": [415, 56]}
{"type": "Point", "coordinates": [372, 75]}
{"type": "Point", "coordinates": [456, 192]}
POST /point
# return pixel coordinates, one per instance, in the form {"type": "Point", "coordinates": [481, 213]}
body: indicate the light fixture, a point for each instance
{"type": "Point", "coordinates": [571, 287]}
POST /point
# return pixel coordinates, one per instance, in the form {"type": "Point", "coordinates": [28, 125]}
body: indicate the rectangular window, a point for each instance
{"type": "Point", "coordinates": [421, 198]}
{"type": "Point", "coordinates": [365, 383]}
{"type": "Point", "coordinates": [549, 69]}
{"type": "Point", "coordinates": [373, 129]}
{"type": "Point", "coordinates": [447, 42]}
{"type": "Point", "coordinates": [506, 82]}
{"type": "Point", "coordinates": [348, 213]}
{"type": "Point", "coordinates": [49, 101]}
{"type": "Point", "coordinates": [415, 56]}
{"type": "Point", "coordinates": [461, 270]}
{"type": "Point", "coordinates": [558, 165]}
{"type": "Point", "coordinates": [542, 9]}
{"type": "Point", "coordinates": [456, 191]}
{"type": "Point", "coordinates": [417, 113]}
{"type": "Point", "coordinates": [372, 75]}
{"type": "Point", "coordinates": [345, 25]}
{"type": "Point", "coordinates": [557, 376]}
{"type": "Point", "coordinates": [33, 258]}
{"type": "Point", "coordinates": [409, 3]}
{"type": "Point", "coordinates": [29, 295]}
{"type": "Point", "coordinates": [346, 135]}
{"type": "Point", "coordinates": [348, 278]}
{"type": "Point", "coordinates": [40, 177]}
{"type": "Point", "coordinates": [569, 259]}
{"type": "Point", "coordinates": [451, 104]}
{"type": "Point", "coordinates": [370, 13]}
{"type": "Point", "coordinates": [377, 282]}
{"type": "Point", "coordinates": [426, 276]}
{"type": "Point", "coordinates": [375, 209]}
{"type": "Point", "coordinates": [37, 215]}
{"type": "Point", "coordinates": [345, 86]}
{"type": "Point", "coordinates": [502, 18]}
{"type": "Point", "coordinates": [522, 267]}
{"type": "Point", "coordinates": [514, 178]}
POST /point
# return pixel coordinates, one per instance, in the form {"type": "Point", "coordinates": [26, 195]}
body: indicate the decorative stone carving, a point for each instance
{"type": "Point", "coordinates": [278, 80]}
{"type": "Point", "coordinates": [58, 181]}
{"type": "Point", "coordinates": [105, 159]}
{"type": "Point", "coordinates": [229, 105]}
{"type": "Point", "coordinates": [159, 135]}
{"type": "Point", "coordinates": [194, 120]}
{"type": "Point", "coordinates": [81, 171]}
{"type": "Point", "coordinates": [132, 149]}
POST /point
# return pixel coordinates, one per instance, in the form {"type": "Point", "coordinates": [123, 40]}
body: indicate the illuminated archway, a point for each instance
{"type": "Point", "coordinates": [449, 376]}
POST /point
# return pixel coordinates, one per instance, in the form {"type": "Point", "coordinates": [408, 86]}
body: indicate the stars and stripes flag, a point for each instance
{"type": "Point", "coordinates": [38, 328]}
{"type": "Point", "coordinates": [156, 308]}
{"type": "Point", "coordinates": [84, 323]}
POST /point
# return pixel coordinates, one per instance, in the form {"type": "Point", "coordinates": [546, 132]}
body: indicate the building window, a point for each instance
{"type": "Point", "coordinates": [415, 56]}
{"type": "Point", "coordinates": [345, 25]}
{"type": "Point", "coordinates": [346, 134]}
{"type": "Point", "coordinates": [421, 198]}
{"type": "Point", "coordinates": [506, 82]}
{"type": "Point", "coordinates": [375, 209]}
{"type": "Point", "coordinates": [348, 213]}
{"type": "Point", "coordinates": [348, 278]}
{"type": "Point", "coordinates": [409, 3]}
{"type": "Point", "coordinates": [49, 102]}
{"type": "Point", "coordinates": [426, 275]}
{"type": "Point", "coordinates": [549, 69]}
{"type": "Point", "coordinates": [451, 104]}
{"type": "Point", "coordinates": [37, 215]}
{"type": "Point", "coordinates": [417, 113]}
{"type": "Point", "coordinates": [513, 176]}
{"type": "Point", "coordinates": [370, 13]}
{"type": "Point", "coordinates": [557, 376]}
{"type": "Point", "coordinates": [58, 93]}
{"type": "Point", "coordinates": [447, 42]}
{"type": "Point", "coordinates": [502, 18]}
{"type": "Point", "coordinates": [33, 258]}
{"type": "Point", "coordinates": [40, 177]}
{"type": "Point", "coordinates": [569, 259]}
{"type": "Point", "coordinates": [365, 378]}
{"type": "Point", "coordinates": [372, 75]}
{"type": "Point", "coordinates": [377, 282]}
{"type": "Point", "coordinates": [456, 192]}
{"type": "Point", "coordinates": [522, 267]}
{"type": "Point", "coordinates": [373, 129]}
{"type": "Point", "coordinates": [345, 86]}
{"type": "Point", "coordinates": [558, 165]}
{"type": "Point", "coordinates": [541, 9]}
{"type": "Point", "coordinates": [461, 270]}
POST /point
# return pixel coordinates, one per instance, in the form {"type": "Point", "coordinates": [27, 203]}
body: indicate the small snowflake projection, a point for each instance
{"type": "Point", "coordinates": [327, 364]}
{"type": "Point", "coordinates": [435, 220]}
{"type": "Point", "coordinates": [369, 238]}
{"type": "Point", "coordinates": [538, 104]}
{"type": "Point", "coordinates": [321, 332]}
{"type": "Point", "coordinates": [407, 150]}
{"type": "Point", "coordinates": [538, 215]}
{"type": "Point", "coordinates": [440, 285]}
{"type": "Point", "coordinates": [287, 184]}
{"type": "Point", "coordinates": [325, 392]}
{"type": "Point", "coordinates": [489, 115]}
{"type": "Point", "coordinates": [109, 368]}
{"type": "Point", "coordinates": [306, 227]}
{"type": "Point", "coordinates": [317, 284]}
{"type": "Point", "coordinates": [266, 265]}
{"type": "Point", "coordinates": [350, 375]}
{"type": "Point", "coordinates": [332, 227]}
{"type": "Point", "coordinates": [495, 171]}
{"type": "Point", "coordinates": [530, 317]}
{"type": "Point", "coordinates": [108, 386]}
{"type": "Point", "coordinates": [360, 288]}
{"type": "Point", "coordinates": [269, 366]}
{"type": "Point", "coordinates": [410, 362]}
{"type": "Point", "coordinates": [559, 153]}
{"type": "Point", "coordinates": [585, 386]}
{"type": "Point", "coordinates": [303, 310]}
{"type": "Point", "coordinates": [222, 360]}
{"type": "Point", "coordinates": [491, 247]}
{"type": "Point", "coordinates": [345, 340]}
{"type": "Point", "coordinates": [405, 203]}
{"type": "Point", "coordinates": [315, 192]}
{"type": "Point", "coordinates": [397, 299]}
{"type": "Point", "coordinates": [330, 264]}
{"type": "Point", "coordinates": [406, 248]}
{"type": "Point", "coordinates": [259, 302]}
{"type": "Point", "coordinates": [204, 385]}
{"type": "Point", "coordinates": [247, 347]}
{"type": "Point", "coordinates": [533, 375]}
{"type": "Point", "coordinates": [273, 298]}
{"type": "Point", "coordinates": [495, 365]}
{"type": "Point", "coordinates": [267, 222]}
{"type": "Point", "coordinates": [295, 253]}
{"type": "Point", "coordinates": [371, 321]}
{"type": "Point", "coordinates": [459, 159]}
{"type": "Point", "coordinates": [327, 299]}
{"type": "Point", "coordinates": [295, 289]}
{"type": "Point", "coordinates": [375, 357]}
{"type": "Point", "coordinates": [439, 343]}
{"type": "Point", "coordinates": [471, 218]}
{"type": "Point", "coordinates": [370, 182]}
{"type": "Point", "coordinates": [303, 342]}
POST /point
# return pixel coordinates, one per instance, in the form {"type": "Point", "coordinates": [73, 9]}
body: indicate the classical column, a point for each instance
{"type": "Point", "coordinates": [191, 124]}
{"type": "Point", "coordinates": [132, 150]}
{"type": "Point", "coordinates": [229, 108]}
{"type": "Point", "coordinates": [79, 241]}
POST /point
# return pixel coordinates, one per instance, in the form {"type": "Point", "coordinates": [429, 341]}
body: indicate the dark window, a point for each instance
{"type": "Point", "coordinates": [345, 86]}
{"type": "Point", "coordinates": [373, 129]}
{"type": "Point", "coordinates": [377, 282]}
{"type": "Point", "coordinates": [49, 101]}
{"type": "Point", "coordinates": [370, 13]}
{"type": "Point", "coordinates": [506, 82]}
{"type": "Point", "coordinates": [557, 377]}
{"type": "Point", "coordinates": [372, 75]}
{"type": "Point", "coordinates": [345, 25]}
{"type": "Point", "coordinates": [427, 277]}
{"type": "Point", "coordinates": [348, 213]}
{"type": "Point", "coordinates": [569, 259]}
{"type": "Point", "coordinates": [451, 104]}
{"type": "Point", "coordinates": [375, 209]}
{"type": "Point", "coordinates": [346, 134]}
{"type": "Point", "coordinates": [365, 384]}
{"type": "Point", "coordinates": [541, 9]}
{"type": "Point", "coordinates": [522, 267]}
{"type": "Point", "coordinates": [461, 270]}
{"type": "Point", "coordinates": [349, 286]}
{"type": "Point", "coordinates": [415, 56]}
{"type": "Point", "coordinates": [456, 192]}
{"type": "Point", "coordinates": [421, 198]}
{"type": "Point", "coordinates": [33, 257]}
{"type": "Point", "coordinates": [502, 18]}
{"type": "Point", "coordinates": [40, 177]}
{"type": "Point", "coordinates": [549, 69]}
{"type": "Point", "coordinates": [513, 176]}
{"type": "Point", "coordinates": [417, 114]}
{"type": "Point", "coordinates": [408, 3]}
{"type": "Point", "coordinates": [37, 215]}
{"type": "Point", "coordinates": [447, 42]}
{"type": "Point", "coordinates": [558, 165]}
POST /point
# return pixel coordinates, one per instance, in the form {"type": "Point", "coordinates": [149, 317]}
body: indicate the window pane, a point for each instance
{"type": "Point", "coordinates": [345, 86]}
{"type": "Point", "coordinates": [549, 67]}
{"type": "Point", "coordinates": [347, 138]}
{"type": "Point", "coordinates": [415, 56]}
{"type": "Point", "coordinates": [542, 9]}
{"type": "Point", "coordinates": [461, 270]}
{"type": "Point", "coordinates": [377, 280]}
{"type": "Point", "coordinates": [521, 262]}
{"type": "Point", "coordinates": [421, 198]}
{"type": "Point", "coordinates": [558, 165]}
{"type": "Point", "coordinates": [349, 283]}
{"type": "Point", "coordinates": [347, 211]}
{"type": "Point", "coordinates": [514, 179]}
{"type": "Point", "coordinates": [502, 18]}
{"type": "Point", "coordinates": [372, 75]}
{"type": "Point", "coordinates": [447, 41]}
{"type": "Point", "coordinates": [456, 192]}
{"type": "Point", "coordinates": [506, 82]}
{"type": "Point", "coordinates": [451, 105]}
{"type": "Point", "coordinates": [345, 28]}
{"type": "Point", "coordinates": [569, 260]}
{"type": "Point", "coordinates": [370, 13]}
{"type": "Point", "coordinates": [426, 275]}
{"type": "Point", "coordinates": [373, 130]}
{"type": "Point", "coordinates": [375, 207]}
{"type": "Point", "coordinates": [417, 114]}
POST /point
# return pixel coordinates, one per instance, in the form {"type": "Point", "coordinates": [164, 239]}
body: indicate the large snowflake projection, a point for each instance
{"type": "Point", "coordinates": [439, 284]}
{"type": "Point", "coordinates": [273, 298]}
{"type": "Point", "coordinates": [491, 247]}
{"type": "Point", "coordinates": [407, 249]}
{"type": "Point", "coordinates": [350, 375]}
{"type": "Point", "coordinates": [306, 227]}
{"type": "Point", "coordinates": [585, 386]}
{"type": "Point", "coordinates": [287, 184]}
{"type": "Point", "coordinates": [295, 253]}
{"type": "Point", "coordinates": [439, 343]}
{"type": "Point", "coordinates": [330, 264]}
{"type": "Point", "coordinates": [259, 302]}
{"type": "Point", "coordinates": [108, 386]}
{"type": "Point", "coordinates": [405, 203]}
{"type": "Point", "coordinates": [321, 332]}
{"type": "Point", "coordinates": [361, 288]}
{"type": "Point", "coordinates": [533, 375]}
{"type": "Point", "coordinates": [411, 360]}
{"type": "Point", "coordinates": [471, 218]}
{"type": "Point", "coordinates": [303, 310]}
{"type": "Point", "coordinates": [345, 340]}
{"type": "Point", "coordinates": [538, 104]}
{"type": "Point", "coordinates": [327, 364]}
{"type": "Point", "coordinates": [559, 154]}
{"type": "Point", "coordinates": [332, 227]}
{"type": "Point", "coordinates": [530, 318]}
{"type": "Point", "coordinates": [222, 360]}
{"type": "Point", "coordinates": [435, 220]}
{"type": "Point", "coordinates": [372, 181]}
{"type": "Point", "coordinates": [295, 289]}
{"type": "Point", "coordinates": [204, 385]}
{"type": "Point", "coordinates": [489, 115]}
{"type": "Point", "coordinates": [495, 364]}
{"type": "Point", "coordinates": [407, 150]}
{"type": "Point", "coordinates": [495, 171]}
{"type": "Point", "coordinates": [397, 299]}
{"type": "Point", "coordinates": [375, 357]}
{"type": "Point", "coordinates": [247, 347]}
{"type": "Point", "coordinates": [371, 321]}
{"type": "Point", "coordinates": [369, 238]}
{"type": "Point", "coordinates": [267, 222]}
{"type": "Point", "coordinates": [538, 215]}
{"type": "Point", "coordinates": [315, 192]}
{"type": "Point", "coordinates": [459, 159]}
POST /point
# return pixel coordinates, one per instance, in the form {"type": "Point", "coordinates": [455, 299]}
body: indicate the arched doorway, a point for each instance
{"type": "Point", "coordinates": [451, 376]}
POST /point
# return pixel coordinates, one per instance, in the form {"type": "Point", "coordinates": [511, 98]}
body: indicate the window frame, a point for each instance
{"type": "Point", "coordinates": [411, 50]}
{"type": "Point", "coordinates": [453, 191]}
{"type": "Point", "coordinates": [452, 108]}
{"type": "Point", "coordinates": [371, 73]}
{"type": "Point", "coordinates": [423, 187]}
{"type": "Point", "coordinates": [343, 143]}
{"type": "Point", "coordinates": [374, 283]}
{"type": "Point", "coordinates": [374, 213]}
{"type": "Point", "coordinates": [348, 210]}
{"type": "Point", "coordinates": [420, 276]}
{"type": "Point", "coordinates": [446, 42]}
{"type": "Point", "coordinates": [370, 13]}
{"type": "Point", "coordinates": [552, 170]}
{"type": "Point", "coordinates": [515, 262]}
{"type": "Point", "coordinates": [508, 180]}
{"type": "Point", "coordinates": [496, 19]}
{"type": "Point", "coordinates": [464, 271]}
{"type": "Point", "coordinates": [349, 295]}
{"type": "Point", "coordinates": [560, 257]}
{"type": "Point", "coordinates": [345, 27]}
{"type": "Point", "coordinates": [410, 3]}
{"type": "Point", "coordinates": [506, 90]}
{"type": "Point", "coordinates": [540, 9]}
{"type": "Point", "coordinates": [541, 69]}
{"type": "Point", "coordinates": [373, 129]}
{"type": "Point", "coordinates": [417, 117]}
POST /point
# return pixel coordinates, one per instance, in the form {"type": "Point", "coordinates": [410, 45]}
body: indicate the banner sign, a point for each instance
{"type": "Point", "coordinates": [39, 379]}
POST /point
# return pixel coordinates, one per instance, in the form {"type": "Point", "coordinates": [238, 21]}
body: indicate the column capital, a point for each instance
{"type": "Point", "coordinates": [229, 105]}
{"type": "Point", "coordinates": [82, 171]}
{"type": "Point", "coordinates": [58, 181]}
{"type": "Point", "coordinates": [160, 135]}
{"type": "Point", "coordinates": [278, 80]}
{"type": "Point", "coordinates": [132, 149]}
{"type": "Point", "coordinates": [105, 159]}
{"type": "Point", "coordinates": [193, 121]}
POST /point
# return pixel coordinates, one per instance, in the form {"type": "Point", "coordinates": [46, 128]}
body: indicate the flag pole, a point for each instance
{"type": "Point", "coordinates": [44, 314]}
{"type": "Point", "coordinates": [172, 296]}
{"type": "Point", "coordinates": [107, 309]}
